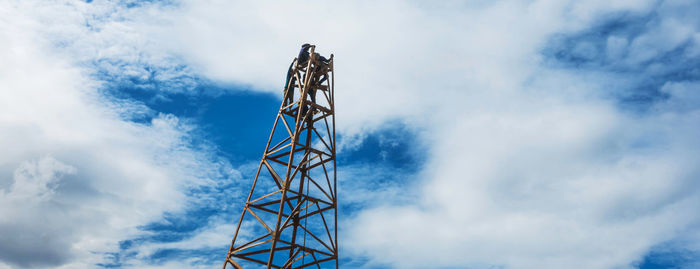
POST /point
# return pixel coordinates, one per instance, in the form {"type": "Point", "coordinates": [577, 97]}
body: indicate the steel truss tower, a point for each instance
{"type": "Point", "coordinates": [290, 216]}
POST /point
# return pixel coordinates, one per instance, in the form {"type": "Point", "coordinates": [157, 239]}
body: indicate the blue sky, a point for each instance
{"type": "Point", "coordinates": [472, 134]}
{"type": "Point", "coordinates": [233, 125]}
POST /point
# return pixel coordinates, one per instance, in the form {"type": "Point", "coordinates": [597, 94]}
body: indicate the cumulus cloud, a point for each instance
{"type": "Point", "coordinates": [37, 180]}
{"type": "Point", "coordinates": [75, 177]}
{"type": "Point", "coordinates": [533, 159]}
{"type": "Point", "coordinates": [545, 189]}
{"type": "Point", "coordinates": [34, 185]}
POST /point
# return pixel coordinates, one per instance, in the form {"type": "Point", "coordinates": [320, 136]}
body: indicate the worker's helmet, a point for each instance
{"type": "Point", "coordinates": [306, 45]}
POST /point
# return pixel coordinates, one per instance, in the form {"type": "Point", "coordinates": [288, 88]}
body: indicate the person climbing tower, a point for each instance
{"type": "Point", "coordinates": [290, 82]}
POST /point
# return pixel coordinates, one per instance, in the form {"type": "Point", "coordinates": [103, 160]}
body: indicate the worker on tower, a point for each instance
{"type": "Point", "coordinates": [290, 82]}
{"type": "Point", "coordinates": [303, 54]}
{"type": "Point", "coordinates": [321, 69]}
{"type": "Point", "coordinates": [319, 77]}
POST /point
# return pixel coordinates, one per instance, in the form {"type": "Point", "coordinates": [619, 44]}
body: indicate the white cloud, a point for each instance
{"type": "Point", "coordinates": [37, 181]}
{"type": "Point", "coordinates": [542, 189]}
{"type": "Point", "coordinates": [528, 167]}
{"type": "Point", "coordinates": [215, 234]}
{"type": "Point", "coordinates": [75, 178]}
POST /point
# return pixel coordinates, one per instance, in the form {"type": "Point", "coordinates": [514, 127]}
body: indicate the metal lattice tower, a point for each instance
{"type": "Point", "coordinates": [290, 216]}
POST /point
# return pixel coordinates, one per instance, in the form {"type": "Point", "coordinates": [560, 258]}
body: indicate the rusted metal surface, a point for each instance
{"type": "Point", "coordinates": [290, 216]}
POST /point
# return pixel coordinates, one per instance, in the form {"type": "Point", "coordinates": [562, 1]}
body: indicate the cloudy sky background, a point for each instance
{"type": "Point", "coordinates": [472, 134]}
